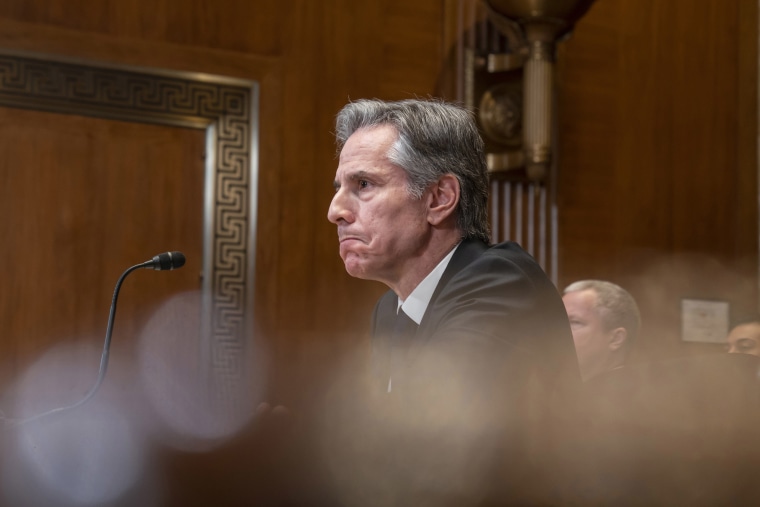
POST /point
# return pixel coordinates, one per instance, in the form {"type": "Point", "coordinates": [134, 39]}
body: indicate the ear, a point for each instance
{"type": "Point", "coordinates": [443, 198]}
{"type": "Point", "coordinates": [618, 338]}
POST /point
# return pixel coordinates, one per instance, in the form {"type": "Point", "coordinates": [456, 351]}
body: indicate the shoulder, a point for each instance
{"type": "Point", "coordinates": [502, 286]}
{"type": "Point", "coordinates": [498, 267]}
{"type": "Point", "coordinates": [512, 253]}
{"type": "Point", "coordinates": [478, 254]}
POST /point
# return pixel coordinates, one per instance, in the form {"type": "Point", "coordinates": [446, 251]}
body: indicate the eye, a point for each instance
{"type": "Point", "coordinates": [745, 344]}
{"type": "Point", "coordinates": [363, 183]}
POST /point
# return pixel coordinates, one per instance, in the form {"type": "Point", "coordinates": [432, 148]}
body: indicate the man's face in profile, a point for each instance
{"type": "Point", "coordinates": [382, 228]}
{"type": "Point", "coordinates": [745, 339]}
{"type": "Point", "coordinates": [591, 337]}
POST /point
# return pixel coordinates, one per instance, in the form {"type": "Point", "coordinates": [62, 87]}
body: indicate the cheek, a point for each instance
{"type": "Point", "coordinates": [394, 222]}
{"type": "Point", "coordinates": [383, 227]}
{"type": "Point", "coordinates": [587, 342]}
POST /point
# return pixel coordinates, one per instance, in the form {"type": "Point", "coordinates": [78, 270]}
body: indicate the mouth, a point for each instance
{"type": "Point", "coordinates": [342, 238]}
{"type": "Point", "coordinates": [350, 244]}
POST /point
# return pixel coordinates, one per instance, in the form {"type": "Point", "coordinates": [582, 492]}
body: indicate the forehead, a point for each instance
{"type": "Point", "coordinates": [749, 330]}
{"type": "Point", "coordinates": [368, 143]}
{"type": "Point", "coordinates": [365, 153]}
{"type": "Point", "coordinates": [580, 301]}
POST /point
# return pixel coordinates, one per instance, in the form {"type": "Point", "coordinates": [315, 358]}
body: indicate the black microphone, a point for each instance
{"type": "Point", "coordinates": [166, 261]}
{"type": "Point", "coordinates": [161, 262]}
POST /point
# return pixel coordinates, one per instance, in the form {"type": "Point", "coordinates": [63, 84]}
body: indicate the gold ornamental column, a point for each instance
{"type": "Point", "coordinates": [542, 23]}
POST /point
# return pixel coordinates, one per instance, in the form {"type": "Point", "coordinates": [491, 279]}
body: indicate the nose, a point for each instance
{"type": "Point", "coordinates": [339, 209]}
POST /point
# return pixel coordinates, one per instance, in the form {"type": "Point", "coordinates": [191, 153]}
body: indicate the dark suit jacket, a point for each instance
{"type": "Point", "coordinates": [490, 301]}
{"type": "Point", "coordinates": [491, 360]}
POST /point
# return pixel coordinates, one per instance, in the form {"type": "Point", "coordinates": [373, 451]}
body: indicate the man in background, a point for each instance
{"type": "Point", "coordinates": [744, 337]}
{"type": "Point", "coordinates": [605, 321]}
{"type": "Point", "coordinates": [470, 346]}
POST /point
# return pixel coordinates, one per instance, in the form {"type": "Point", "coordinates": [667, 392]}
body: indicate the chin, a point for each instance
{"type": "Point", "coordinates": [358, 270]}
{"type": "Point", "coordinates": [355, 271]}
{"type": "Point", "coordinates": [353, 264]}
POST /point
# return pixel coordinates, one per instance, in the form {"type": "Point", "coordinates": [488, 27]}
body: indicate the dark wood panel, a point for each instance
{"type": "Point", "coordinates": [82, 200]}
{"type": "Point", "coordinates": [310, 58]}
{"type": "Point", "coordinates": [236, 25]}
{"type": "Point", "coordinates": [657, 131]}
{"type": "Point", "coordinates": [328, 53]}
{"type": "Point", "coordinates": [40, 38]}
{"type": "Point", "coordinates": [658, 166]}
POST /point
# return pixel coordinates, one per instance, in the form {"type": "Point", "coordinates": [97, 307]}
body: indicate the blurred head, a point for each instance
{"type": "Point", "coordinates": [411, 182]}
{"type": "Point", "coordinates": [744, 338]}
{"type": "Point", "coordinates": [605, 321]}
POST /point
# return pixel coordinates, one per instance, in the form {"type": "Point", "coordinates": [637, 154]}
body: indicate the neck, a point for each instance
{"type": "Point", "coordinates": [425, 263]}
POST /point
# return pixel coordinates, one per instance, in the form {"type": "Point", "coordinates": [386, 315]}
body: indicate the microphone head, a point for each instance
{"type": "Point", "coordinates": [168, 261]}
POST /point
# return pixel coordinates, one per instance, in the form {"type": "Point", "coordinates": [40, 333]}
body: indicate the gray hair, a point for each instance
{"type": "Point", "coordinates": [614, 304]}
{"type": "Point", "coordinates": [434, 138]}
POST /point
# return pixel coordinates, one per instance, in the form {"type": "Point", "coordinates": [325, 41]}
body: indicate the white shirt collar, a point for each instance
{"type": "Point", "coordinates": [416, 304]}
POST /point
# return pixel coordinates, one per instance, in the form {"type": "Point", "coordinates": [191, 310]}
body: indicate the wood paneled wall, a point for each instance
{"type": "Point", "coordinates": [83, 199]}
{"type": "Point", "coordinates": [657, 162]}
{"type": "Point", "coordinates": [658, 166]}
{"type": "Point", "coordinates": [309, 58]}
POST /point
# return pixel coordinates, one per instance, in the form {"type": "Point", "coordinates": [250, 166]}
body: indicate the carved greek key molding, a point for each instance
{"type": "Point", "coordinates": [226, 109]}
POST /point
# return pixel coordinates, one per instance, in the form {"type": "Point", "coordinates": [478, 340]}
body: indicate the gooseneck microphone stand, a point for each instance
{"type": "Point", "coordinates": [160, 262]}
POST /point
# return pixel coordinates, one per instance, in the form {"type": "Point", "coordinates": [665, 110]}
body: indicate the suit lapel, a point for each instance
{"type": "Point", "coordinates": [382, 327]}
{"type": "Point", "coordinates": [468, 251]}
{"type": "Point", "coordinates": [385, 313]}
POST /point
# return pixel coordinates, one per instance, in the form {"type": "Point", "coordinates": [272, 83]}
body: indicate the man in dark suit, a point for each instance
{"type": "Point", "coordinates": [472, 351]}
